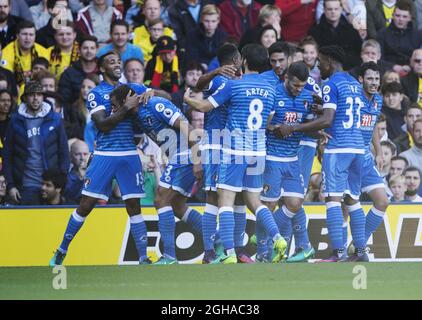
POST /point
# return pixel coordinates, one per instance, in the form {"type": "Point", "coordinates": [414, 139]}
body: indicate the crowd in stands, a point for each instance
{"type": "Point", "coordinates": [49, 51]}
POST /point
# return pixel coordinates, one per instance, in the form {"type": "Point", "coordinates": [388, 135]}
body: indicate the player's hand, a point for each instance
{"type": "Point", "coordinates": [379, 160]}
{"type": "Point", "coordinates": [283, 131]}
{"type": "Point", "coordinates": [324, 137]}
{"type": "Point", "coordinates": [316, 106]}
{"type": "Point", "coordinates": [132, 101]}
{"type": "Point", "coordinates": [187, 95]}
{"type": "Point", "coordinates": [146, 96]}
{"type": "Point", "coordinates": [198, 172]}
{"type": "Point", "coordinates": [15, 195]}
{"type": "Point", "coordinates": [228, 71]}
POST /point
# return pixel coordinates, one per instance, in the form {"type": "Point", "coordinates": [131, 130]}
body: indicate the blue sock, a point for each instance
{"type": "Point", "coordinates": [239, 225]}
{"type": "Point", "coordinates": [265, 217]}
{"type": "Point", "coordinates": [209, 226]}
{"type": "Point", "coordinates": [167, 227]}
{"type": "Point", "coordinates": [335, 224]}
{"type": "Point", "coordinates": [75, 223]}
{"type": "Point", "coordinates": [299, 229]}
{"type": "Point", "coordinates": [138, 229]}
{"type": "Point", "coordinates": [261, 240]}
{"type": "Point", "coordinates": [345, 234]}
{"type": "Point", "coordinates": [226, 219]}
{"type": "Point", "coordinates": [373, 220]}
{"type": "Point", "coordinates": [194, 219]}
{"type": "Point", "coordinates": [357, 225]}
{"type": "Point", "coordinates": [283, 219]}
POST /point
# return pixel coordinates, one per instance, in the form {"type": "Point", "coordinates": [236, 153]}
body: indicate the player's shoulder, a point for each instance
{"type": "Point", "coordinates": [138, 88]}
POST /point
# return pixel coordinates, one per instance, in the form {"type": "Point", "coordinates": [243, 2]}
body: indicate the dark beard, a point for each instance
{"type": "Point", "coordinates": [3, 17]}
{"type": "Point", "coordinates": [411, 193]}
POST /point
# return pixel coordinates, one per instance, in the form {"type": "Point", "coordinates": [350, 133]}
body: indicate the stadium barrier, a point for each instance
{"type": "Point", "coordinates": [29, 236]}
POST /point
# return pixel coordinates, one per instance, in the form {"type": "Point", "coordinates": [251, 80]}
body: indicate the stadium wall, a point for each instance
{"type": "Point", "coordinates": [29, 236]}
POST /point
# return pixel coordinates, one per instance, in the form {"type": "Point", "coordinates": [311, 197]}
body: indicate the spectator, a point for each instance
{"type": "Point", "coordinates": [79, 116]}
{"type": "Point", "coordinates": [205, 40]}
{"type": "Point", "coordinates": [39, 65]}
{"type": "Point", "coordinates": [390, 76]}
{"type": "Point", "coordinates": [392, 108]}
{"type": "Point", "coordinates": [79, 156]}
{"type": "Point", "coordinates": [381, 127]}
{"type": "Point", "coordinates": [268, 36]}
{"type": "Point", "coordinates": [298, 18]}
{"type": "Point", "coordinates": [3, 190]}
{"type": "Point", "coordinates": [414, 154]}
{"type": "Point", "coordinates": [389, 150]}
{"type": "Point", "coordinates": [47, 80]}
{"type": "Point", "coordinates": [119, 32]}
{"type": "Point", "coordinates": [20, 9]}
{"type": "Point", "coordinates": [10, 77]}
{"type": "Point", "coordinates": [269, 15]}
{"type": "Point", "coordinates": [95, 20]}
{"type": "Point", "coordinates": [397, 186]}
{"type": "Point", "coordinates": [35, 142]}
{"type": "Point", "coordinates": [184, 17]}
{"type": "Point", "coordinates": [371, 51]}
{"type": "Point", "coordinates": [399, 39]}
{"type": "Point", "coordinates": [412, 84]}
{"type": "Point", "coordinates": [45, 9]}
{"type": "Point", "coordinates": [405, 141]}
{"type": "Point", "coordinates": [310, 57]}
{"type": "Point", "coordinates": [53, 184]}
{"type": "Point", "coordinates": [334, 29]}
{"type": "Point", "coordinates": [162, 71]}
{"type": "Point", "coordinates": [398, 165]}
{"type": "Point", "coordinates": [146, 35]}
{"type": "Point", "coordinates": [8, 24]}
{"type": "Point", "coordinates": [6, 105]}
{"type": "Point", "coordinates": [134, 71]}
{"type": "Point", "coordinates": [238, 16]}
{"type": "Point", "coordinates": [19, 55]}
{"type": "Point", "coordinates": [380, 15]}
{"type": "Point", "coordinates": [412, 177]}
{"type": "Point", "coordinates": [71, 80]}
{"type": "Point", "coordinates": [193, 72]}
{"type": "Point", "coordinates": [65, 51]}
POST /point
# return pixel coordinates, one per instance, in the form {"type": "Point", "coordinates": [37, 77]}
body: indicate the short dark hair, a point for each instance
{"type": "Point", "coordinates": [51, 3]}
{"type": "Point", "coordinates": [42, 61]}
{"type": "Point", "coordinates": [403, 5]}
{"type": "Point", "coordinates": [24, 24]}
{"type": "Point", "coordinates": [256, 56]}
{"type": "Point", "coordinates": [334, 52]}
{"type": "Point", "coordinates": [119, 22]}
{"type": "Point", "coordinates": [392, 87]}
{"type": "Point", "coordinates": [389, 144]}
{"type": "Point", "coordinates": [226, 53]}
{"type": "Point", "coordinates": [193, 65]}
{"type": "Point", "coordinates": [413, 106]}
{"type": "Point", "coordinates": [412, 169]}
{"type": "Point", "coordinates": [396, 158]}
{"type": "Point", "coordinates": [56, 177]}
{"type": "Point", "coordinates": [87, 37]}
{"type": "Point", "coordinates": [299, 70]}
{"type": "Point", "coordinates": [266, 28]}
{"type": "Point", "coordinates": [279, 47]}
{"type": "Point", "coordinates": [371, 65]}
{"type": "Point", "coordinates": [130, 60]}
{"type": "Point", "coordinates": [105, 55]}
{"type": "Point", "coordinates": [120, 93]}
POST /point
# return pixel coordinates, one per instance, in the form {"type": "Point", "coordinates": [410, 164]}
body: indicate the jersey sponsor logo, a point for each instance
{"type": "Point", "coordinates": [91, 97]}
{"type": "Point", "coordinates": [292, 117]}
{"type": "Point", "coordinates": [168, 113]}
{"type": "Point", "coordinates": [159, 107]}
{"type": "Point", "coordinates": [368, 121]}
{"type": "Point", "coordinates": [326, 90]}
{"type": "Point", "coordinates": [326, 98]}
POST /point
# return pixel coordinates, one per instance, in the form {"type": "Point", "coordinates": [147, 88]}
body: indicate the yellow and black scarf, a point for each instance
{"type": "Point", "coordinates": [56, 57]}
{"type": "Point", "coordinates": [20, 76]}
{"type": "Point", "coordinates": [158, 73]}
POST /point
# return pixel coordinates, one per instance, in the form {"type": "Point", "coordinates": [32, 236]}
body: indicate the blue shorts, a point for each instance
{"type": "Point", "coordinates": [211, 163]}
{"type": "Point", "coordinates": [238, 173]}
{"type": "Point", "coordinates": [178, 177]}
{"type": "Point", "coordinates": [342, 172]}
{"type": "Point", "coordinates": [281, 179]}
{"type": "Point", "coordinates": [127, 170]}
{"type": "Point", "coordinates": [306, 156]}
{"type": "Point", "coordinates": [371, 178]}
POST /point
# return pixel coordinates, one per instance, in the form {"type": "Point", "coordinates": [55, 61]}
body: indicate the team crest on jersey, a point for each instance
{"type": "Point", "coordinates": [93, 104]}
{"type": "Point", "coordinates": [168, 113]}
{"type": "Point", "coordinates": [265, 188]}
{"type": "Point", "coordinates": [326, 90]}
{"type": "Point", "coordinates": [159, 107]}
{"type": "Point", "coordinates": [91, 97]}
{"type": "Point", "coordinates": [281, 103]}
{"type": "Point", "coordinates": [376, 105]}
{"type": "Point", "coordinates": [326, 98]}
{"type": "Point", "coordinates": [87, 182]}
{"type": "Point", "coordinates": [311, 81]}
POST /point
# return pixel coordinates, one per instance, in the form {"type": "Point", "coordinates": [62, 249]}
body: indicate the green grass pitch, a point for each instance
{"type": "Point", "coordinates": [254, 281]}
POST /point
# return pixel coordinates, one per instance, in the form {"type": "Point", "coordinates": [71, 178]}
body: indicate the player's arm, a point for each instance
{"type": "Point", "coordinates": [198, 104]}
{"type": "Point", "coordinates": [376, 142]}
{"type": "Point", "coordinates": [228, 71]}
{"type": "Point", "coordinates": [106, 124]}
